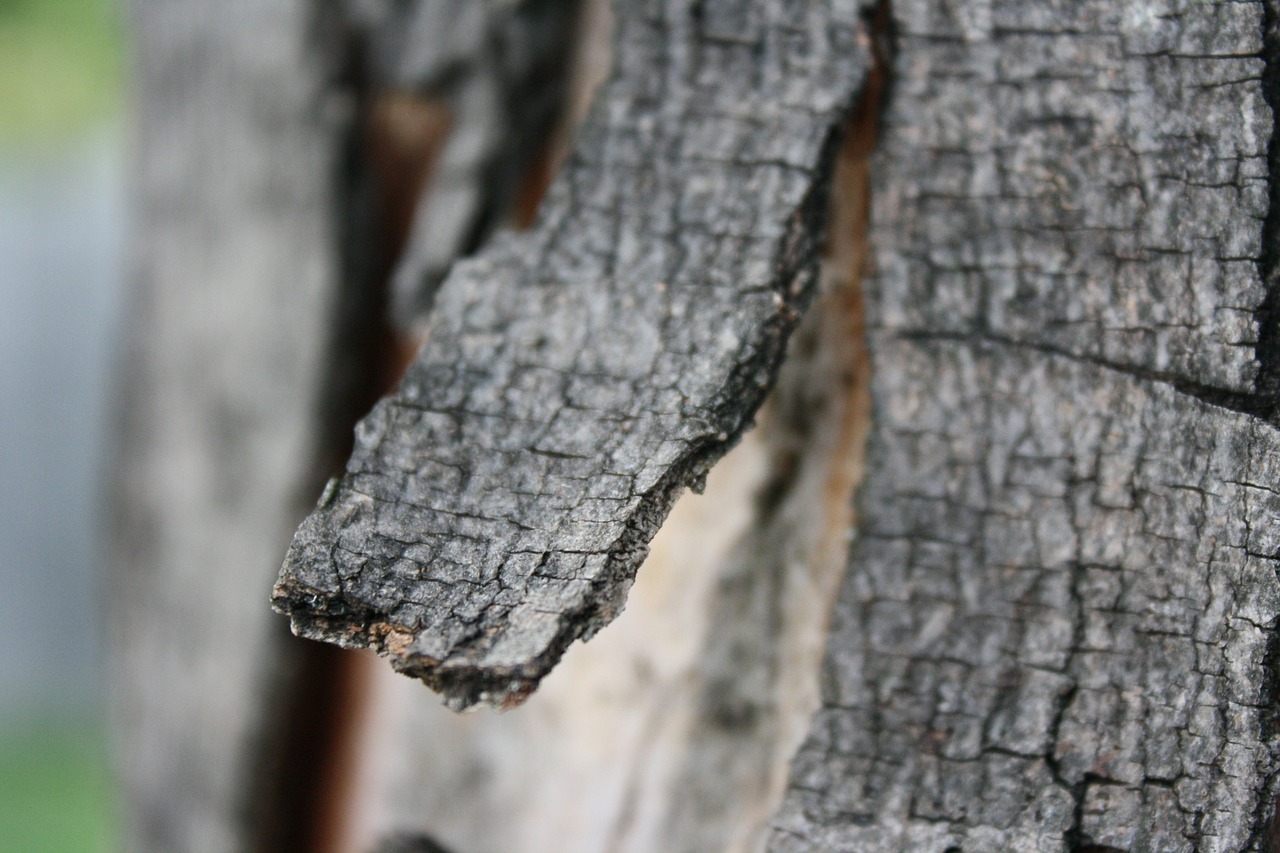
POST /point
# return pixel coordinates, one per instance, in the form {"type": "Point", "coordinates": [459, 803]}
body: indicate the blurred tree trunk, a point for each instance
{"type": "Point", "coordinates": [237, 276]}
{"type": "Point", "coordinates": [1041, 278]}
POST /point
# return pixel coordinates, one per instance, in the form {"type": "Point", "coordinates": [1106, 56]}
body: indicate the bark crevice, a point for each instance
{"type": "Point", "coordinates": [397, 104]}
{"type": "Point", "coordinates": [758, 676]}
{"type": "Point", "coordinates": [1267, 383]}
{"type": "Point", "coordinates": [1251, 404]}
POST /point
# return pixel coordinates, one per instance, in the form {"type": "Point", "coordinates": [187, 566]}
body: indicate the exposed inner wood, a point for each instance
{"type": "Point", "coordinates": [769, 611]}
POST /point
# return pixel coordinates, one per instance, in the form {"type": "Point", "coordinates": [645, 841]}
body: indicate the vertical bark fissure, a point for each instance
{"type": "Point", "coordinates": [1267, 383]}
{"type": "Point", "coordinates": [302, 788]}
{"type": "Point", "coordinates": [1265, 835]}
{"type": "Point", "coordinates": [1071, 836]}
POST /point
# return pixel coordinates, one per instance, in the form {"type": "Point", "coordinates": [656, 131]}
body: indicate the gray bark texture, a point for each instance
{"type": "Point", "coordinates": [498, 65]}
{"type": "Point", "coordinates": [576, 379]}
{"type": "Point", "coordinates": [1059, 623]}
{"type": "Point", "coordinates": [1059, 626]}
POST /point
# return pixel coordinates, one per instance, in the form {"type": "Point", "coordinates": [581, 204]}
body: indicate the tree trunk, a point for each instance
{"type": "Point", "coordinates": [1058, 630]}
{"type": "Point", "coordinates": [236, 274]}
{"type": "Point", "coordinates": [1057, 625]}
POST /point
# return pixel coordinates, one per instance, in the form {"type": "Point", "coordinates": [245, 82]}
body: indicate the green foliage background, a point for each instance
{"type": "Point", "coordinates": [54, 791]}
{"type": "Point", "coordinates": [60, 67]}
{"type": "Point", "coordinates": [61, 79]}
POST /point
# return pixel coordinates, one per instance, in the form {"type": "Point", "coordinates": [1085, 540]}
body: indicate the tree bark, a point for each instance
{"type": "Point", "coordinates": [236, 268]}
{"type": "Point", "coordinates": [1057, 628]}
{"type": "Point", "coordinates": [279, 145]}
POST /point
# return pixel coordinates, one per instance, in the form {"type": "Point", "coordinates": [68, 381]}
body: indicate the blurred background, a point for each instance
{"type": "Point", "coordinates": [62, 227]}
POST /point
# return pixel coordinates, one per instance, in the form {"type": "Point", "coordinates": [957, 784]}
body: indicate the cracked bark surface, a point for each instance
{"type": "Point", "coordinates": [576, 379]}
{"type": "Point", "coordinates": [1058, 629]}
{"type": "Point", "coordinates": [673, 728]}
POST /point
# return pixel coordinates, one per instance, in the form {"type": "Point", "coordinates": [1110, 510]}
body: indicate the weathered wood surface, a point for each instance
{"type": "Point", "coordinates": [1059, 626]}
{"type": "Point", "coordinates": [575, 380]}
{"type": "Point", "coordinates": [673, 728]}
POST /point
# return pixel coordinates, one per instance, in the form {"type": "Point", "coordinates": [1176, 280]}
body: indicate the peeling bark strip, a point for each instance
{"type": "Point", "coordinates": [1059, 625]}
{"type": "Point", "coordinates": [576, 379]}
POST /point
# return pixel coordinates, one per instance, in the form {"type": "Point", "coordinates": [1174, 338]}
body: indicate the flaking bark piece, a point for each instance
{"type": "Point", "coordinates": [577, 378]}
